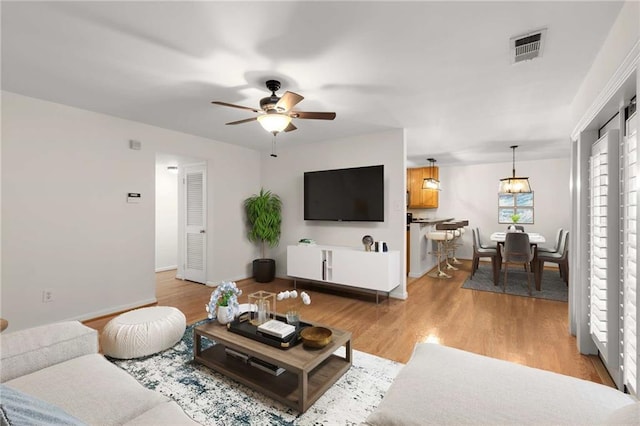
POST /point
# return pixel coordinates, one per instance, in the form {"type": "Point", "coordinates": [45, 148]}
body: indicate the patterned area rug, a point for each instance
{"type": "Point", "coordinates": [552, 286]}
{"type": "Point", "coordinates": [213, 399]}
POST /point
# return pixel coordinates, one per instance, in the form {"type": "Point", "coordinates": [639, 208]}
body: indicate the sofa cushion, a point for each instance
{"type": "Point", "coordinates": [18, 408]}
{"type": "Point", "coordinates": [26, 351]}
{"type": "Point", "coordinates": [91, 389]}
{"type": "Point", "coordinates": [627, 415]}
{"type": "Point", "coordinates": [443, 385]}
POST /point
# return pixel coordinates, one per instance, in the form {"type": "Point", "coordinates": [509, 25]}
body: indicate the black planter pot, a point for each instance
{"type": "Point", "coordinates": [264, 270]}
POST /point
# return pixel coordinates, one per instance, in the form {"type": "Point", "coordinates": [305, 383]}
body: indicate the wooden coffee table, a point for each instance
{"type": "Point", "coordinates": [309, 372]}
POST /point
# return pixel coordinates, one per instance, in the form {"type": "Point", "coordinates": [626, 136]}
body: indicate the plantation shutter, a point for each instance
{"type": "Point", "coordinates": [630, 212]}
{"type": "Point", "coordinates": [603, 251]}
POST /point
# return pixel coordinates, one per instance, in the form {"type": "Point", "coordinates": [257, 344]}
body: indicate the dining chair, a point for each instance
{"type": "Point", "coordinates": [556, 246]}
{"type": "Point", "coordinates": [561, 257]}
{"type": "Point", "coordinates": [481, 243]}
{"type": "Point", "coordinates": [479, 252]}
{"type": "Point", "coordinates": [517, 250]}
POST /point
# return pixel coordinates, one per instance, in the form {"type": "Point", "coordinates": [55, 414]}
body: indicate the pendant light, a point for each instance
{"type": "Point", "coordinates": [431, 182]}
{"type": "Point", "coordinates": [513, 184]}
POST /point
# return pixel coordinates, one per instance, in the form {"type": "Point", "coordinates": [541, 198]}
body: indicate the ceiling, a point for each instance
{"type": "Point", "coordinates": [441, 70]}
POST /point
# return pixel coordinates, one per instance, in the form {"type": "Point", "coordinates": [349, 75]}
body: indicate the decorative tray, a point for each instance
{"type": "Point", "coordinates": [243, 326]}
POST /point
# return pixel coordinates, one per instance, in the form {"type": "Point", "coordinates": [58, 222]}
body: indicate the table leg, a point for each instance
{"type": "Point", "coordinates": [303, 385]}
{"type": "Point", "coordinates": [197, 343]}
{"type": "Point", "coordinates": [537, 272]}
{"type": "Point", "coordinates": [496, 277]}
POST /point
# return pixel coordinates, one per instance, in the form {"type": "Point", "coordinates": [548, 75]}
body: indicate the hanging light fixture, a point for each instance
{"type": "Point", "coordinates": [274, 122]}
{"type": "Point", "coordinates": [431, 182]}
{"type": "Point", "coordinates": [513, 184]}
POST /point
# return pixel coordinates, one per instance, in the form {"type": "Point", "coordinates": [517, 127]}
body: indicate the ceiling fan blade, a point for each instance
{"type": "Point", "coordinates": [246, 120]}
{"type": "Point", "coordinates": [313, 115]}
{"type": "Point", "coordinates": [288, 101]}
{"type": "Point", "coordinates": [290, 128]}
{"type": "Point", "coordinates": [234, 106]}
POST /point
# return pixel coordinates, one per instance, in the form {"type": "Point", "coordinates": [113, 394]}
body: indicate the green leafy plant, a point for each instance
{"type": "Point", "coordinates": [515, 218]}
{"type": "Point", "coordinates": [264, 217]}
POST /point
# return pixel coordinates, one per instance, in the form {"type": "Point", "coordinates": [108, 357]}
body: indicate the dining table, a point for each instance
{"type": "Point", "coordinates": [534, 240]}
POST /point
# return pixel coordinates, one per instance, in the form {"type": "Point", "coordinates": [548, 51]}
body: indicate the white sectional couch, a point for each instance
{"type": "Point", "coordinates": [56, 370]}
{"type": "Point", "coordinates": [442, 385]}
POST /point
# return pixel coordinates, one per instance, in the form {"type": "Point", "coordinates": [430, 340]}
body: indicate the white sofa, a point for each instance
{"type": "Point", "coordinates": [442, 385]}
{"type": "Point", "coordinates": [55, 370]}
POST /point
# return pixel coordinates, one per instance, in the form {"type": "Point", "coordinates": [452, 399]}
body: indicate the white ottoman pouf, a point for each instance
{"type": "Point", "coordinates": [142, 332]}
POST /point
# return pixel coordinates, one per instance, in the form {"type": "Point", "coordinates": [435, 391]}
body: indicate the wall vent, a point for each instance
{"type": "Point", "coordinates": [527, 46]}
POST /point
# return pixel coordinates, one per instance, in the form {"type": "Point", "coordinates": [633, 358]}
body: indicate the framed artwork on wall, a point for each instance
{"type": "Point", "coordinates": [515, 204]}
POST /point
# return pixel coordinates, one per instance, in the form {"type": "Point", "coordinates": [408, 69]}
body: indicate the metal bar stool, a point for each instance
{"type": "Point", "coordinates": [455, 244]}
{"type": "Point", "coordinates": [441, 238]}
{"type": "Point", "coordinates": [451, 229]}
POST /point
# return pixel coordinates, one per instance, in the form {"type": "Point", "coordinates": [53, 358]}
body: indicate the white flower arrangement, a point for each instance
{"type": "Point", "coordinates": [293, 294]}
{"type": "Point", "coordinates": [226, 294]}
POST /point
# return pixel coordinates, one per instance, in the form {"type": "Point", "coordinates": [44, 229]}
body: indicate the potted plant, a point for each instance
{"type": "Point", "coordinates": [223, 303]}
{"type": "Point", "coordinates": [515, 218]}
{"type": "Point", "coordinates": [264, 218]}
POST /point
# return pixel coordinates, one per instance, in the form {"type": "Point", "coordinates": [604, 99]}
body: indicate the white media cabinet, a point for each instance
{"type": "Point", "coordinates": [348, 266]}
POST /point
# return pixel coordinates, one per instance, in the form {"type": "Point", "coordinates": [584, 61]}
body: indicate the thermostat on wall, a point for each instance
{"type": "Point", "coordinates": [133, 197]}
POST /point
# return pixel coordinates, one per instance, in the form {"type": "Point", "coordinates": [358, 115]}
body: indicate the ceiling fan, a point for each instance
{"type": "Point", "coordinates": [276, 112]}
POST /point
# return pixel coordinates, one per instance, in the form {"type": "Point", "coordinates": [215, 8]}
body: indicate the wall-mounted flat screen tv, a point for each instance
{"type": "Point", "coordinates": [354, 194]}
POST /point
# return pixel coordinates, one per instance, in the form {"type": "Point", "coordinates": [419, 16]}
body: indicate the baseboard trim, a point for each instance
{"type": "Point", "coordinates": [167, 268]}
{"type": "Point", "coordinates": [114, 310]}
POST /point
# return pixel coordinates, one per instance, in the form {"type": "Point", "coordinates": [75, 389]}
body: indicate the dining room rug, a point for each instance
{"type": "Point", "coordinates": [552, 287]}
{"type": "Point", "coordinates": [210, 398]}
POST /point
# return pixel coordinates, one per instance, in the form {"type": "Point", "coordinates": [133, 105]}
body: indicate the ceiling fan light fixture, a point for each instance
{"type": "Point", "coordinates": [513, 184]}
{"type": "Point", "coordinates": [274, 122]}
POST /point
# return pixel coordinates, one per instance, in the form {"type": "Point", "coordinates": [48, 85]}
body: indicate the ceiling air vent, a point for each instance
{"type": "Point", "coordinates": [528, 46]}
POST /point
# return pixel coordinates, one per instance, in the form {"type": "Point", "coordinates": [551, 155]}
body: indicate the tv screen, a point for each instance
{"type": "Point", "coordinates": [354, 194]}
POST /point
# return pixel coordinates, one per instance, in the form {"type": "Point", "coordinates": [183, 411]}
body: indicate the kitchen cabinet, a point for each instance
{"type": "Point", "coordinates": [419, 198]}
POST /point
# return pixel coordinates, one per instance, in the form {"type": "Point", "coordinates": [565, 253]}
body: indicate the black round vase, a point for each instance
{"type": "Point", "coordinates": [264, 270]}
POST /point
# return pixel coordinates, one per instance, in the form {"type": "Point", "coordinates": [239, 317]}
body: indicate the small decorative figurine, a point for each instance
{"type": "Point", "coordinates": [367, 240]}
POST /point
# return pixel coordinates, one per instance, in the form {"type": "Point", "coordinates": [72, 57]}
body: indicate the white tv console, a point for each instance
{"type": "Point", "coordinates": [348, 266]}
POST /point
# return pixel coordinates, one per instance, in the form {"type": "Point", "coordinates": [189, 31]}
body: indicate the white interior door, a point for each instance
{"type": "Point", "coordinates": [195, 239]}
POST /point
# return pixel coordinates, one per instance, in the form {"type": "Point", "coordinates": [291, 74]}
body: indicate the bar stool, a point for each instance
{"type": "Point", "coordinates": [455, 244]}
{"type": "Point", "coordinates": [452, 232]}
{"type": "Point", "coordinates": [441, 238]}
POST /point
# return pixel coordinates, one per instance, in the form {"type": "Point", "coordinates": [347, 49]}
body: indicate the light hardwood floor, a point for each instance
{"type": "Point", "coordinates": [527, 331]}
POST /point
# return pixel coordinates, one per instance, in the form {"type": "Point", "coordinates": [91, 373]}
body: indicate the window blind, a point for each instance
{"type": "Point", "coordinates": [598, 184]}
{"type": "Point", "coordinates": [629, 197]}
{"type": "Point", "coordinates": [604, 252]}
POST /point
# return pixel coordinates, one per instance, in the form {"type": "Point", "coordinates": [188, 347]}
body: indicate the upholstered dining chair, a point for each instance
{"type": "Point", "coordinates": [561, 257]}
{"type": "Point", "coordinates": [556, 245]}
{"type": "Point", "coordinates": [479, 252]}
{"type": "Point", "coordinates": [517, 250]}
{"type": "Point", "coordinates": [481, 243]}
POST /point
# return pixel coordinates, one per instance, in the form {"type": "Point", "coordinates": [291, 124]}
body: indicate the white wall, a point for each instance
{"type": "Point", "coordinates": [471, 192]}
{"type": "Point", "coordinates": [66, 225]}
{"type": "Point", "coordinates": [615, 51]}
{"type": "Point", "coordinates": [284, 176]}
{"type": "Point", "coordinates": [166, 219]}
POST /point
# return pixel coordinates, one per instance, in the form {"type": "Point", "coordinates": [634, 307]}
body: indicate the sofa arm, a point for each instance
{"type": "Point", "coordinates": [25, 351]}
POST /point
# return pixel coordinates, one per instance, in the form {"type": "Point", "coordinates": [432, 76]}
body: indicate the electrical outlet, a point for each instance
{"type": "Point", "coordinates": [47, 295]}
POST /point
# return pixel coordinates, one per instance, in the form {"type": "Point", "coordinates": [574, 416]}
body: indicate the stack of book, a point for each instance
{"type": "Point", "coordinates": [277, 329]}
